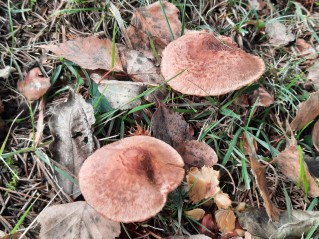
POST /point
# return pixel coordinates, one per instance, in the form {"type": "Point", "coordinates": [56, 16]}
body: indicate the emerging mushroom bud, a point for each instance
{"type": "Point", "coordinates": [128, 181]}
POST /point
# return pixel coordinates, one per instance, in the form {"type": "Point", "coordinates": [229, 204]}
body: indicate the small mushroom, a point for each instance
{"type": "Point", "coordinates": [200, 64]}
{"type": "Point", "coordinates": [128, 181]}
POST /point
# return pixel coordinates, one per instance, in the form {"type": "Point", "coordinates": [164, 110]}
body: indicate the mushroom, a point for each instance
{"type": "Point", "coordinates": [200, 64]}
{"type": "Point", "coordinates": [129, 180]}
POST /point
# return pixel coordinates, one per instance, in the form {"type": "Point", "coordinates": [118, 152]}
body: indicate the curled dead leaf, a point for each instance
{"type": "Point", "coordinates": [289, 163]}
{"type": "Point", "coordinates": [307, 111]}
{"type": "Point", "coordinates": [34, 85]}
{"type": "Point", "coordinates": [150, 20]}
{"type": "Point", "coordinates": [197, 154]}
{"type": "Point", "coordinates": [226, 220]}
{"type": "Point", "coordinates": [259, 172]}
{"type": "Point", "coordinates": [90, 53]}
{"type": "Point", "coordinates": [202, 183]}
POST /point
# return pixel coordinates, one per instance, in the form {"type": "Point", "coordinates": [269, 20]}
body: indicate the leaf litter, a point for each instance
{"type": "Point", "coordinates": [73, 141]}
{"type": "Point", "coordinates": [140, 64]}
{"type": "Point", "coordinates": [76, 220]}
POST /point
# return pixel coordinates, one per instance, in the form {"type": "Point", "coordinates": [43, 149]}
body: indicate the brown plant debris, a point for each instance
{"type": "Point", "coordinates": [71, 127]}
{"type": "Point", "coordinates": [150, 21]}
{"type": "Point", "coordinates": [289, 163]}
{"type": "Point", "coordinates": [307, 111]}
{"type": "Point", "coordinates": [76, 220]}
{"type": "Point", "coordinates": [81, 52]}
{"type": "Point", "coordinates": [259, 172]}
{"type": "Point", "coordinates": [34, 85]}
{"type": "Point", "coordinates": [170, 127]}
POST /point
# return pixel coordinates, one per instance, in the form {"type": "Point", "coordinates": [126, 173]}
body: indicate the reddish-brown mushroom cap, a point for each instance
{"type": "Point", "coordinates": [128, 181]}
{"type": "Point", "coordinates": [201, 64]}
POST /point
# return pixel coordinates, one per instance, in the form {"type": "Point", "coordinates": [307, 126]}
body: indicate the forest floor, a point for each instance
{"type": "Point", "coordinates": [284, 34]}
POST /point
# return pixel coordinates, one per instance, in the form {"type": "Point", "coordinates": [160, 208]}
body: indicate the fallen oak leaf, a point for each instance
{"type": "Point", "coordinates": [150, 20]}
{"type": "Point", "coordinates": [89, 53]}
{"type": "Point", "coordinates": [259, 172]}
{"type": "Point", "coordinates": [197, 154]}
{"type": "Point", "coordinates": [76, 220]}
{"type": "Point", "coordinates": [296, 225]}
{"type": "Point", "coordinates": [34, 85]}
{"type": "Point", "coordinates": [307, 111]}
{"type": "Point", "coordinates": [71, 127]}
{"type": "Point", "coordinates": [170, 127]}
{"type": "Point", "coordinates": [289, 163]}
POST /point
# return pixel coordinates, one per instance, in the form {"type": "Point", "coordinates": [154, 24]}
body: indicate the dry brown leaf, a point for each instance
{"type": "Point", "coordinates": [71, 127]}
{"type": "Point", "coordinates": [279, 35]}
{"type": "Point", "coordinates": [264, 98]}
{"type": "Point", "coordinates": [122, 94]}
{"type": "Point", "coordinates": [315, 135]}
{"type": "Point", "coordinates": [76, 220]}
{"type": "Point", "coordinates": [306, 50]}
{"type": "Point", "coordinates": [16, 235]}
{"type": "Point", "coordinates": [289, 163]}
{"type": "Point", "coordinates": [294, 224]}
{"type": "Point", "coordinates": [257, 4]}
{"type": "Point", "coordinates": [34, 85]}
{"type": "Point", "coordinates": [197, 154]}
{"type": "Point", "coordinates": [222, 200]}
{"type": "Point", "coordinates": [313, 74]}
{"type": "Point", "coordinates": [170, 127]}
{"type": "Point", "coordinates": [151, 20]}
{"type": "Point", "coordinates": [197, 213]}
{"type": "Point", "coordinates": [202, 183]}
{"type": "Point", "coordinates": [139, 67]}
{"type": "Point", "coordinates": [226, 220]}
{"type": "Point", "coordinates": [307, 111]}
{"type": "Point", "coordinates": [259, 172]}
{"type": "Point", "coordinates": [89, 53]}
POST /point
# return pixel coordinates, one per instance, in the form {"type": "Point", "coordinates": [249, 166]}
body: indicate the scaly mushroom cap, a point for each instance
{"type": "Point", "coordinates": [212, 66]}
{"type": "Point", "coordinates": [128, 181]}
